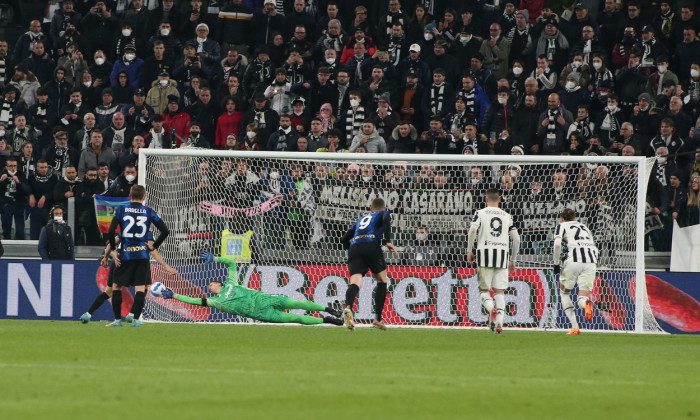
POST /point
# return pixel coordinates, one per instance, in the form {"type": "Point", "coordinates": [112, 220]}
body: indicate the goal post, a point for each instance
{"type": "Point", "coordinates": [281, 214]}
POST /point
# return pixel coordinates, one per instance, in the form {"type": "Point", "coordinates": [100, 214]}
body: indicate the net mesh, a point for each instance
{"type": "Point", "coordinates": [282, 218]}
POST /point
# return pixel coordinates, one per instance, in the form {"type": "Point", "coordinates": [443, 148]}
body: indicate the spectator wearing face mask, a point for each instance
{"type": "Point", "coordinates": [56, 238]}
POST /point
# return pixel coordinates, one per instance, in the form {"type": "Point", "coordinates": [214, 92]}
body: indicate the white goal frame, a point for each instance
{"type": "Point", "coordinates": [639, 161]}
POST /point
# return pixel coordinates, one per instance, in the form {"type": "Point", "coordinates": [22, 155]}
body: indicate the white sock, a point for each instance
{"type": "Point", "coordinates": [500, 307]}
{"type": "Point", "coordinates": [486, 301]}
{"type": "Point", "coordinates": [568, 307]}
{"type": "Point", "coordinates": [582, 301]}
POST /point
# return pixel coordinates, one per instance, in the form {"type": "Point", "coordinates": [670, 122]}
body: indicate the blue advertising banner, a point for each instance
{"type": "Point", "coordinates": [47, 290]}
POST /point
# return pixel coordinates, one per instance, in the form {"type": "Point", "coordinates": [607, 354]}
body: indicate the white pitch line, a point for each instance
{"type": "Point", "coordinates": [443, 378]}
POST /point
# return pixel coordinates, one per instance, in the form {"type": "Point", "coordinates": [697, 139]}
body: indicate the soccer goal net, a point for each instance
{"type": "Point", "coordinates": [281, 216]}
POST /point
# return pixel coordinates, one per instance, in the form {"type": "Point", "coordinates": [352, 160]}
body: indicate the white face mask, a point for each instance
{"type": "Point", "coordinates": [597, 65]}
{"type": "Point", "coordinates": [165, 32]}
{"type": "Point", "coordinates": [570, 85]}
{"type": "Point", "coordinates": [502, 101]}
{"type": "Point", "coordinates": [576, 64]}
{"type": "Point", "coordinates": [129, 57]}
{"type": "Point", "coordinates": [421, 236]}
{"type": "Point", "coordinates": [274, 175]}
{"type": "Point", "coordinates": [87, 84]}
{"type": "Point", "coordinates": [12, 173]}
{"type": "Point", "coordinates": [354, 102]}
{"type": "Point", "coordinates": [164, 82]}
{"type": "Point", "coordinates": [366, 178]}
{"type": "Point", "coordinates": [250, 134]}
{"type": "Point", "coordinates": [694, 73]}
{"type": "Point", "coordinates": [464, 39]}
{"type": "Point", "coordinates": [58, 219]}
{"type": "Point", "coordinates": [428, 36]}
{"type": "Point", "coordinates": [476, 181]}
{"type": "Point", "coordinates": [126, 32]}
{"type": "Point", "coordinates": [513, 174]}
{"type": "Point", "coordinates": [661, 159]}
{"type": "Point", "coordinates": [2, 133]}
{"type": "Point", "coordinates": [130, 178]}
{"type": "Point", "coordinates": [330, 60]}
{"type": "Point", "coordinates": [517, 71]}
{"type": "Point", "coordinates": [662, 69]}
{"type": "Point", "coordinates": [99, 61]}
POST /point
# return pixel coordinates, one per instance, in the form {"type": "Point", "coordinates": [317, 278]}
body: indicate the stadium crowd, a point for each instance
{"type": "Point", "coordinates": [83, 93]}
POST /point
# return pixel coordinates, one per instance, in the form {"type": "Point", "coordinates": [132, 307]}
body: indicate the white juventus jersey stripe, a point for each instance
{"type": "Point", "coordinates": [579, 241]}
{"type": "Point", "coordinates": [493, 237]}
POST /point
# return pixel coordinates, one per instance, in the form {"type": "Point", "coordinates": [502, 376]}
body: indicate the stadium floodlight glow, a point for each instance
{"type": "Point", "coordinates": [288, 242]}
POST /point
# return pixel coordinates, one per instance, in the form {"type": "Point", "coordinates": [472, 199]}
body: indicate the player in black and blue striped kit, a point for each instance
{"type": "Point", "coordinates": [133, 267]}
{"type": "Point", "coordinates": [364, 239]}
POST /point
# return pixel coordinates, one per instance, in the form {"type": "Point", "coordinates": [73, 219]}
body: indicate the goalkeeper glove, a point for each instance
{"type": "Point", "coordinates": [206, 256]}
{"type": "Point", "coordinates": [167, 294]}
{"type": "Point", "coordinates": [556, 269]}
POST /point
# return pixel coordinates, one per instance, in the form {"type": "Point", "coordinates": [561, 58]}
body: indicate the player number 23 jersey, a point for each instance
{"type": "Point", "coordinates": [579, 241]}
{"type": "Point", "coordinates": [135, 222]}
{"type": "Point", "coordinates": [493, 237]}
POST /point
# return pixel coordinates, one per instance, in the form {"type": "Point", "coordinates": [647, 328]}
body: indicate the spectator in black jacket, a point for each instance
{"type": "Point", "coordinates": [56, 238]}
{"type": "Point", "coordinates": [261, 115]}
{"type": "Point", "coordinates": [499, 115]}
{"type": "Point", "coordinates": [101, 25]}
{"type": "Point", "coordinates": [122, 185]}
{"type": "Point", "coordinates": [66, 187]}
{"type": "Point", "coordinates": [165, 12]}
{"type": "Point", "coordinates": [71, 115]}
{"type": "Point", "coordinates": [60, 155]}
{"type": "Point", "coordinates": [525, 125]}
{"type": "Point", "coordinates": [42, 117]}
{"type": "Point", "coordinates": [86, 231]}
{"type": "Point", "coordinates": [234, 30]}
{"type": "Point", "coordinates": [40, 189]}
{"type": "Point", "coordinates": [13, 199]}
{"type": "Point", "coordinates": [139, 114]}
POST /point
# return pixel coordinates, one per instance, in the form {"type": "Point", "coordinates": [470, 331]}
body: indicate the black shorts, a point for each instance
{"type": "Point", "coordinates": [364, 256]}
{"type": "Point", "coordinates": [110, 276]}
{"type": "Point", "coordinates": [133, 273]}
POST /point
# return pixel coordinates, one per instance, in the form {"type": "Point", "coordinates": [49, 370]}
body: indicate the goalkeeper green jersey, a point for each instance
{"type": "Point", "coordinates": [233, 298]}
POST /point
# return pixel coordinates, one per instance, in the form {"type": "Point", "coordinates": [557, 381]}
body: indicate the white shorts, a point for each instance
{"type": "Point", "coordinates": [492, 278]}
{"type": "Point", "coordinates": [576, 272]}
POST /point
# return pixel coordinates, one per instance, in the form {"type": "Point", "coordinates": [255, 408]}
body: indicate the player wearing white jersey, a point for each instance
{"type": "Point", "coordinates": [497, 246]}
{"type": "Point", "coordinates": [579, 266]}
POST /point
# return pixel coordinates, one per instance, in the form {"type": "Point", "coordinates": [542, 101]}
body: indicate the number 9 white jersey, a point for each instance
{"type": "Point", "coordinates": [579, 241]}
{"type": "Point", "coordinates": [494, 226]}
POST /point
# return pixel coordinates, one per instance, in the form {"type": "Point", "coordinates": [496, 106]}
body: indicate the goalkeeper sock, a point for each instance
{"type": "Point", "coordinates": [286, 317]}
{"type": "Point", "coordinates": [568, 305]}
{"type": "Point", "coordinates": [139, 302]}
{"type": "Point", "coordinates": [379, 300]}
{"type": "Point", "coordinates": [500, 307]}
{"type": "Point", "coordinates": [350, 295]}
{"type": "Point", "coordinates": [117, 304]}
{"type": "Point", "coordinates": [582, 301]}
{"type": "Point", "coordinates": [486, 301]}
{"type": "Point", "coordinates": [99, 300]}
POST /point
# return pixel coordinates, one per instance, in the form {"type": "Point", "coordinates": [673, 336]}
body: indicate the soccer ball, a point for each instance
{"type": "Point", "coordinates": [157, 289]}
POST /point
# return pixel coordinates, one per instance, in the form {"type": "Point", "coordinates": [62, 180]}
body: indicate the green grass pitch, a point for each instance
{"type": "Point", "coordinates": [65, 370]}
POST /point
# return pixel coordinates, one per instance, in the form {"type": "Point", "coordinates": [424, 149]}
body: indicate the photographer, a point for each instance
{"type": "Point", "coordinates": [101, 27]}
{"type": "Point", "coordinates": [437, 141]}
{"type": "Point", "coordinates": [191, 65]}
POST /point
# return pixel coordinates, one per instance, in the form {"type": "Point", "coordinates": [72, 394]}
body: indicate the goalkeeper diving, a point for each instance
{"type": "Point", "coordinates": [232, 298]}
